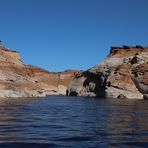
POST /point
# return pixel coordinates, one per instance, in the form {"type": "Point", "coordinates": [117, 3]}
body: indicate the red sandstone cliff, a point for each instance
{"type": "Point", "coordinates": [123, 74]}
{"type": "Point", "coordinates": [19, 80]}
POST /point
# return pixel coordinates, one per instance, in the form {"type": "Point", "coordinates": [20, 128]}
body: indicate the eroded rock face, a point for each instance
{"type": "Point", "coordinates": [140, 77]}
{"type": "Point", "coordinates": [19, 80]}
{"type": "Point", "coordinates": [123, 74]}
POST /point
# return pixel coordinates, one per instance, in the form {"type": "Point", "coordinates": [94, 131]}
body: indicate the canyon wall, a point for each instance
{"type": "Point", "coordinates": [20, 80]}
{"type": "Point", "coordinates": [123, 74]}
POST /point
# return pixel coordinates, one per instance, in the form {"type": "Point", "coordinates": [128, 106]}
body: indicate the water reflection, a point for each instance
{"type": "Point", "coordinates": [73, 122]}
{"type": "Point", "coordinates": [125, 122]}
{"type": "Point", "coordinates": [11, 118]}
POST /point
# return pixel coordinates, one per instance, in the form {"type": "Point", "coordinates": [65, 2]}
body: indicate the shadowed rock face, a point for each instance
{"type": "Point", "coordinates": [87, 84]}
{"type": "Point", "coordinates": [19, 80]}
{"type": "Point", "coordinates": [123, 74]}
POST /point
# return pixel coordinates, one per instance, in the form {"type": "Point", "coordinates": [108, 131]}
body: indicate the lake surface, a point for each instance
{"type": "Point", "coordinates": [73, 122]}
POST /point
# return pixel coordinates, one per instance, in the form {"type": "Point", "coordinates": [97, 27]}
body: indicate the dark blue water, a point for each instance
{"type": "Point", "coordinates": [73, 122]}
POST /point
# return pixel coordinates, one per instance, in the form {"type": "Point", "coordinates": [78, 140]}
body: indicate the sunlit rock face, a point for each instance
{"type": "Point", "coordinates": [122, 74]}
{"type": "Point", "coordinates": [19, 80]}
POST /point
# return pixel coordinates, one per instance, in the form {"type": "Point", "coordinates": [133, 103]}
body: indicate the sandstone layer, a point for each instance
{"type": "Point", "coordinates": [123, 74]}
{"type": "Point", "coordinates": [19, 80]}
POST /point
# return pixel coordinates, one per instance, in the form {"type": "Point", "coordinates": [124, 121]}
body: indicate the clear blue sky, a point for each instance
{"type": "Point", "coordinates": [71, 34]}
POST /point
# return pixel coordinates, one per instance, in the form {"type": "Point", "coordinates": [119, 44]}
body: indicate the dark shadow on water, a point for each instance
{"type": "Point", "coordinates": [27, 145]}
{"type": "Point", "coordinates": [131, 144]}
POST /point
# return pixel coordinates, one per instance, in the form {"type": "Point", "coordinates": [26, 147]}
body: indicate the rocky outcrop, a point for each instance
{"type": "Point", "coordinates": [123, 74]}
{"type": "Point", "coordinates": [19, 80]}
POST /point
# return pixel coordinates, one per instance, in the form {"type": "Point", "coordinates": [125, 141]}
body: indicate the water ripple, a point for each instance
{"type": "Point", "coordinates": [73, 122]}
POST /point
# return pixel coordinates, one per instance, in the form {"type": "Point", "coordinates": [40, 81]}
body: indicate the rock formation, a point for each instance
{"type": "Point", "coordinates": [19, 80]}
{"type": "Point", "coordinates": [123, 74]}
